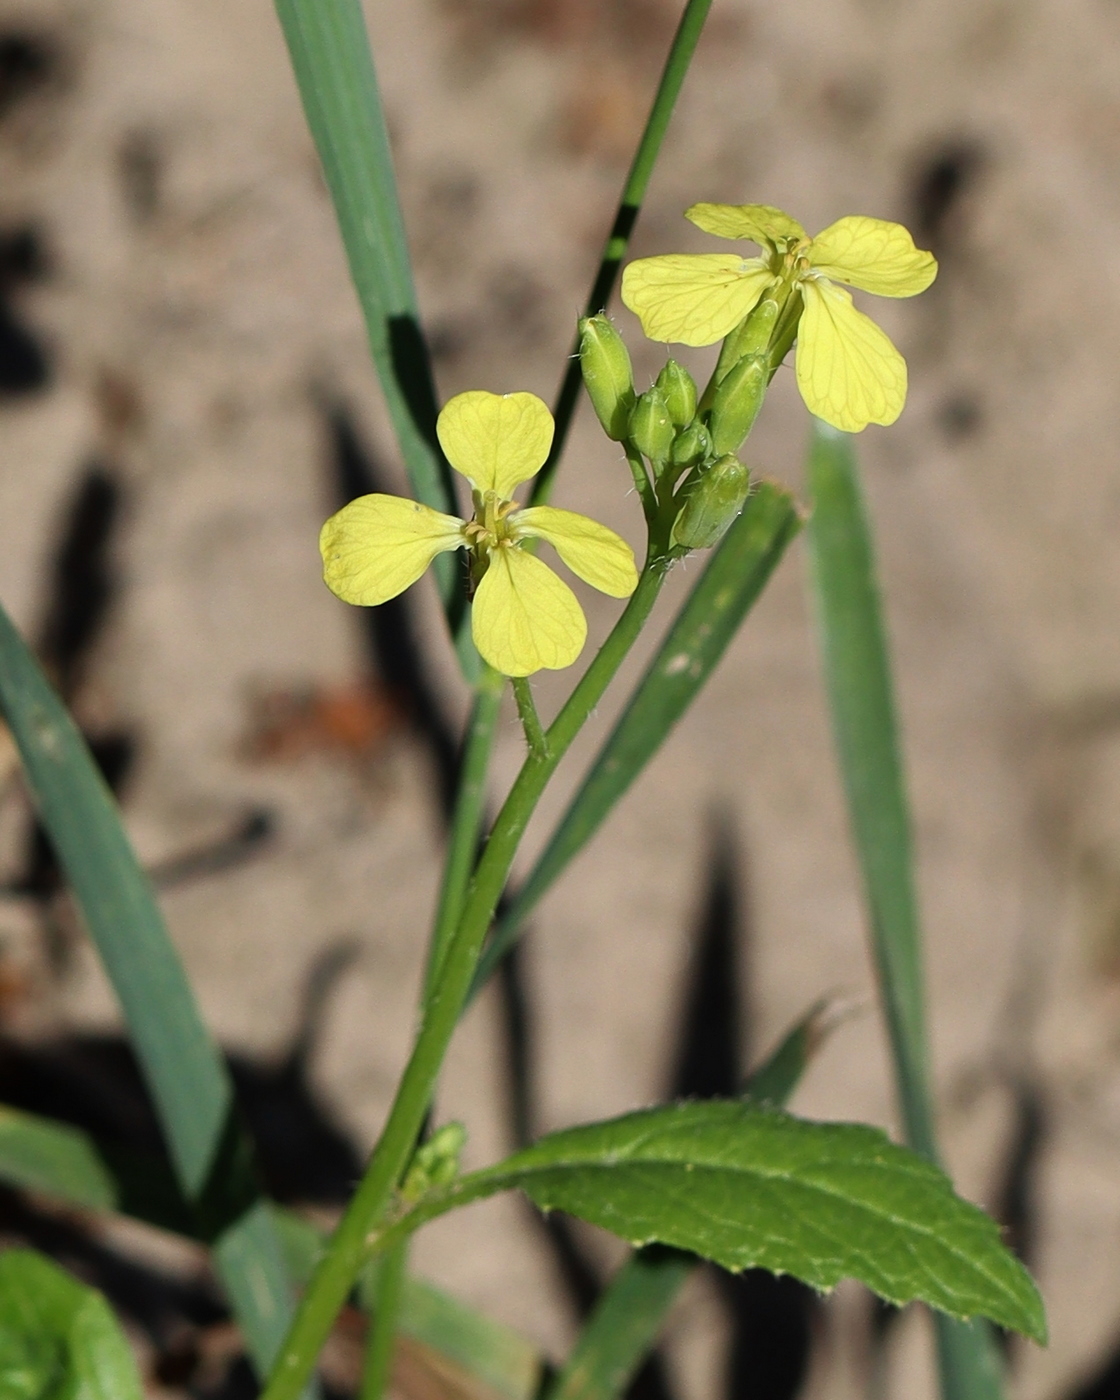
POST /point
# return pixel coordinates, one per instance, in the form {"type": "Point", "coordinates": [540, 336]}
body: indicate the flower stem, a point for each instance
{"type": "Point", "coordinates": [530, 720]}
{"type": "Point", "coordinates": [614, 250]}
{"type": "Point", "coordinates": [641, 481]}
{"type": "Point", "coordinates": [466, 820]}
{"type": "Point", "coordinates": [338, 1268]}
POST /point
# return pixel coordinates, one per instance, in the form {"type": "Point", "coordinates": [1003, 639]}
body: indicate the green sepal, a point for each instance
{"type": "Point", "coordinates": [651, 428]}
{"type": "Point", "coordinates": [692, 445]}
{"type": "Point", "coordinates": [736, 403]}
{"type": "Point", "coordinates": [713, 498]}
{"type": "Point", "coordinates": [679, 390]}
{"type": "Point", "coordinates": [607, 374]}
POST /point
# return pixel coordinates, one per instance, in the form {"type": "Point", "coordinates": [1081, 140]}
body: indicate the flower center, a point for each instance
{"type": "Point", "coordinates": [491, 526]}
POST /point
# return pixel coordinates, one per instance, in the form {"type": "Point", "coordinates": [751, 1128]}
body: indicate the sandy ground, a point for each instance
{"type": "Point", "coordinates": [196, 312]}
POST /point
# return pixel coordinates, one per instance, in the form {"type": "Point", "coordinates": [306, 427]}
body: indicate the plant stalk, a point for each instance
{"type": "Point", "coordinates": [337, 1270]}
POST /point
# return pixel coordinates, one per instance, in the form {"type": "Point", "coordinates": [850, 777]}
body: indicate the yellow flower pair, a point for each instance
{"type": "Point", "coordinates": [848, 371]}
{"type": "Point", "coordinates": [524, 618]}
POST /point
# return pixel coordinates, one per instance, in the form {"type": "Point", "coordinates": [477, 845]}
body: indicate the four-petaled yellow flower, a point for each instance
{"type": "Point", "coordinates": [524, 617]}
{"type": "Point", "coordinates": [848, 371]}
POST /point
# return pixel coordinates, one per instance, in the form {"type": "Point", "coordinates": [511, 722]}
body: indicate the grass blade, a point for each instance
{"type": "Point", "coordinates": [330, 54]}
{"type": "Point", "coordinates": [861, 697]}
{"type": "Point", "coordinates": [735, 576]}
{"type": "Point", "coordinates": [182, 1066]}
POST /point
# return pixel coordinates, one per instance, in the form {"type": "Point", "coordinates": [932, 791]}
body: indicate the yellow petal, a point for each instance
{"type": "Point", "coordinates": [848, 371]}
{"type": "Point", "coordinates": [376, 546]}
{"type": "Point", "coordinates": [874, 255]}
{"type": "Point", "coordinates": [592, 552]}
{"type": "Point", "coordinates": [693, 298]}
{"type": "Point", "coordinates": [496, 441]}
{"type": "Point", "coordinates": [761, 223]}
{"type": "Point", "coordinates": [524, 618]}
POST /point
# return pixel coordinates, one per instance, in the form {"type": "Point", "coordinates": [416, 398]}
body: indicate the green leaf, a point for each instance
{"type": "Point", "coordinates": [55, 1159]}
{"type": "Point", "coordinates": [330, 54]}
{"type": "Point", "coordinates": [750, 1187]}
{"type": "Point", "coordinates": [861, 698]}
{"type": "Point", "coordinates": [59, 1339]}
{"type": "Point", "coordinates": [726, 591]}
{"type": "Point", "coordinates": [624, 1326]}
{"type": "Point", "coordinates": [632, 1309]}
{"type": "Point", "coordinates": [182, 1066]}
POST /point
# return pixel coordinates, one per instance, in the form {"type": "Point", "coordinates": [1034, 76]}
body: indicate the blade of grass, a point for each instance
{"type": "Point", "coordinates": [723, 595]}
{"type": "Point", "coordinates": [631, 1313]}
{"type": "Point", "coordinates": [184, 1071]}
{"type": "Point", "coordinates": [618, 240]}
{"type": "Point", "coordinates": [330, 53]}
{"type": "Point", "coordinates": [861, 698]}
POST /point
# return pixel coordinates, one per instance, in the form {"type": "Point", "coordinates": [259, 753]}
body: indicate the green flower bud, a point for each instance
{"type": "Point", "coordinates": [691, 446]}
{"type": "Point", "coordinates": [651, 428]}
{"type": "Point", "coordinates": [712, 501]}
{"type": "Point", "coordinates": [737, 401]}
{"type": "Point", "coordinates": [605, 363]}
{"type": "Point", "coordinates": [679, 389]}
{"type": "Point", "coordinates": [436, 1162]}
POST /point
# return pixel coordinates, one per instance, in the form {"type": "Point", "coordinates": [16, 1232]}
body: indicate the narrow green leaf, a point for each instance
{"type": "Point", "coordinates": [55, 1159]}
{"type": "Point", "coordinates": [723, 595]}
{"type": "Point", "coordinates": [330, 54]}
{"type": "Point", "coordinates": [59, 1337]}
{"type": "Point", "coordinates": [182, 1066]}
{"type": "Point", "coordinates": [750, 1187]}
{"type": "Point", "coordinates": [630, 1313]}
{"type": "Point", "coordinates": [861, 697]}
{"type": "Point", "coordinates": [624, 1326]}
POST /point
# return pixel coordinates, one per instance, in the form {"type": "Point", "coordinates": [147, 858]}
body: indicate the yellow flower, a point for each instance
{"type": "Point", "coordinates": [848, 371]}
{"type": "Point", "coordinates": [524, 618]}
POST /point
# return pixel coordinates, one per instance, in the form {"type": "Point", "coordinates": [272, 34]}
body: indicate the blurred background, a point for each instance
{"type": "Point", "coordinates": [185, 394]}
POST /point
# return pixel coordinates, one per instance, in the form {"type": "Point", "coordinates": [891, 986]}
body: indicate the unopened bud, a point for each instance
{"type": "Point", "coordinates": [691, 446]}
{"type": "Point", "coordinates": [737, 401]}
{"type": "Point", "coordinates": [712, 502]}
{"type": "Point", "coordinates": [605, 363]}
{"type": "Point", "coordinates": [651, 428]}
{"type": "Point", "coordinates": [679, 389]}
{"type": "Point", "coordinates": [436, 1162]}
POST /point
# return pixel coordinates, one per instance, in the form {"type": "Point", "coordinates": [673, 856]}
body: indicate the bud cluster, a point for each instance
{"type": "Point", "coordinates": [698, 485]}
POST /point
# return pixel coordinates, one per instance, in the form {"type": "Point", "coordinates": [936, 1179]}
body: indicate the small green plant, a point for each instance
{"type": "Point", "coordinates": [740, 1181]}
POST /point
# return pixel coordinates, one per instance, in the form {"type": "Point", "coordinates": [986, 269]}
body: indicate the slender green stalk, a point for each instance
{"type": "Point", "coordinates": [530, 720]}
{"type": "Point", "coordinates": [633, 193]}
{"type": "Point", "coordinates": [642, 482]}
{"type": "Point", "coordinates": [388, 1295]}
{"type": "Point", "coordinates": [339, 1267]}
{"type": "Point", "coordinates": [466, 821]}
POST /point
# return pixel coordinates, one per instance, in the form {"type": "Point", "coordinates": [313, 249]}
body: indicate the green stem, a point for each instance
{"type": "Point", "coordinates": [388, 1293]}
{"type": "Point", "coordinates": [633, 193]}
{"type": "Point", "coordinates": [466, 821]}
{"type": "Point", "coordinates": [641, 481]}
{"type": "Point", "coordinates": [337, 1270]}
{"type": "Point", "coordinates": [530, 720]}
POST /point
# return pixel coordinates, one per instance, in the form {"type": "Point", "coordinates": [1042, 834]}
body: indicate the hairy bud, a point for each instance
{"type": "Point", "coordinates": [712, 501]}
{"type": "Point", "coordinates": [605, 363]}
